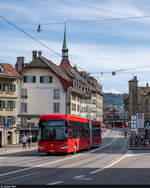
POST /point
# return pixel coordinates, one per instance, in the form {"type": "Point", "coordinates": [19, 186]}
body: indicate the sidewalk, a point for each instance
{"type": "Point", "coordinates": [17, 148]}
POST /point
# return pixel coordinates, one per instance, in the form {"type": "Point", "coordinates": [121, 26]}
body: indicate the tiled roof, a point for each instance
{"type": "Point", "coordinates": [8, 71]}
{"type": "Point", "coordinates": [144, 90]}
{"type": "Point", "coordinates": [56, 69]}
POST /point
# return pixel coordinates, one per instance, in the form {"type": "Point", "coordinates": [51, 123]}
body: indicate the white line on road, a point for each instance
{"type": "Point", "coordinates": [101, 169]}
{"type": "Point", "coordinates": [24, 169]}
{"type": "Point", "coordinates": [54, 183]}
{"type": "Point", "coordinates": [77, 177]}
{"type": "Point", "coordinates": [19, 177]}
{"type": "Point", "coordinates": [82, 178]}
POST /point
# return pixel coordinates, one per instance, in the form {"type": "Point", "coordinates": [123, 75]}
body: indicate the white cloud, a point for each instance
{"type": "Point", "coordinates": [112, 91]}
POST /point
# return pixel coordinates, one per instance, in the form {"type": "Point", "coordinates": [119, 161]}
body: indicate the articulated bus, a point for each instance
{"type": "Point", "coordinates": [66, 133]}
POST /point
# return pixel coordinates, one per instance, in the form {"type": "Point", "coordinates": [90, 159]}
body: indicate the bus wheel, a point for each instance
{"type": "Point", "coordinates": [75, 149]}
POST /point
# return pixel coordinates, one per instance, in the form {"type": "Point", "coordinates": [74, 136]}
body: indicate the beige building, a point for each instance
{"type": "Point", "coordinates": [47, 88]}
{"type": "Point", "coordinates": [9, 80]}
{"type": "Point", "coordinates": [138, 100]}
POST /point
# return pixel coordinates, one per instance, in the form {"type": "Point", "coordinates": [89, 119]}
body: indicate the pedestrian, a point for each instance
{"type": "Point", "coordinates": [24, 140]}
{"type": "Point", "coordinates": [29, 141]}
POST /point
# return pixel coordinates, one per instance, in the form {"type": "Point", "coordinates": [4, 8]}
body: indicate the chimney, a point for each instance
{"type": "Point", "coordinates": [39, 54]}
{"type": "Point", "coordinates": [20, 63]}
{"type": "Point", "coordinates": [146, 84]}
{"type": "Point", "coordinates": [34, 54]}
{"type": "Point", "coordinates": [135, 77]}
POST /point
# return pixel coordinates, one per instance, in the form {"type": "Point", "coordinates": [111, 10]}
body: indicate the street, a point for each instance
{"type": "Point", "coordinates": [111, 163]}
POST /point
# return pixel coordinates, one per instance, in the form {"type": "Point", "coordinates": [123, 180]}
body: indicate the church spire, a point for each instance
{"type": "Point", "coordinates": [64, 48]}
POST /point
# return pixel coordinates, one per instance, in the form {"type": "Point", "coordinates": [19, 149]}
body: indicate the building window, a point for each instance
{"type": "Point", "coordinates": [29, 79]}
{"type": "Point", "coordinates": [23, 107]}
{"type": "Point", "coordinates": [93, 101]}
{"type": "Point", "coordinates": [73, 107]}
{"type": "Point", "coordinates": [9, 87]}
{"type": "Point", "coordinates": [73, 96]}
{"type": "Point", "coordinates": [56, 93]}
{"type": "Point", "coordinates": [45, 79]}
{"type": "Point", "coordinates": [78, 108]}
{"type": "Point", "coordinates": [1, 68]}
{"type": "Point", "coordinates": [9, 105]}
{"type": "Point", "coordinates": [10, 120]}
{"type": "Point", "coordinates": [23, 93]}
{"type": "Point", "coordinates": [56, 107]}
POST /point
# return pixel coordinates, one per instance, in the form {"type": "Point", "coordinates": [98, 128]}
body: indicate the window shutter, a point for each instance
{"type": "Point", "coordinates": [4, 104]}
{"type": "Point", "coordinates": [34, 79]}
{"type": "Point", "coordinates": [3, 119]}
{"type": "Point", "coordinates": [5, 87]}
{"type": "Point", "coordinates": [14, 120]}
{"type": "Point", "coordinates": [41, 79]}
{"type": "Point", "coordinates": [14, 104]}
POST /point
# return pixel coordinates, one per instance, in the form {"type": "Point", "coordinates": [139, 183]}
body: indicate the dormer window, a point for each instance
{"type": "Point", "coordinates": [1, 68]}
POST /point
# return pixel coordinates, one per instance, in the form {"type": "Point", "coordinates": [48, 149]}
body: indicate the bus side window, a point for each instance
{"type": "Point", "coordinates": [70, 132]}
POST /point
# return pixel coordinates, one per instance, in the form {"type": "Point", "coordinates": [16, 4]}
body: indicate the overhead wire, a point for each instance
{"type": "Point", "coordinates": [98, 20]}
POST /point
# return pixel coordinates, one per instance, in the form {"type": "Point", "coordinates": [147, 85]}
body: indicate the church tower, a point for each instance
{"type": "Point", "coordinates": [65, 48]}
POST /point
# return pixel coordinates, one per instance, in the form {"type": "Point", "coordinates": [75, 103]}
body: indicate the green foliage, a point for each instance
{"type": "Point", "coordinates": [112, 99]}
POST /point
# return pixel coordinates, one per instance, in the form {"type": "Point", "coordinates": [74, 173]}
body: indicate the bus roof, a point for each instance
{"type": "Point", "coordinates": [65, 116]}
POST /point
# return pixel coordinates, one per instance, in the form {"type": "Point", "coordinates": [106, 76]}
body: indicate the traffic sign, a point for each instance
{"type": "Point", "coordinates": [140, 120]}
{"type": "Point", "coordinates": [133, 117]}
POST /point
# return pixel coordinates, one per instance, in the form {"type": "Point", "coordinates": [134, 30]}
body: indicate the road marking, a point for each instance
{"type": "Point", "coordinates": [101, 169]}
{"type": "Point", "coordinates": [82, 178]}
{"type": "Point", "coordinates": [77, 177]}
{"type": "Point", "coordinates": [54, 183]}
{"type": "Point", "coordinates": [24, 169]}
{"type": "Point", "coordinates": [19, 177]}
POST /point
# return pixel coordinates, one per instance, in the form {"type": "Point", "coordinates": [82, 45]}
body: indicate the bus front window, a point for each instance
{"type": "Point", "coordinates": [53, 130]}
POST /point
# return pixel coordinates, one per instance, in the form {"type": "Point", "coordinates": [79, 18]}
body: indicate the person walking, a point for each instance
{"type": "Point", "coordinates": [24, 140]}
{"type": "Point", "coordinates": [29, 141]}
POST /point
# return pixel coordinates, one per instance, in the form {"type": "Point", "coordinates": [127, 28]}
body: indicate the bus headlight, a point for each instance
{"type": "Point", "coordinates": [64, 147]}
{"type": "Point", "coordinates": [40, 147]}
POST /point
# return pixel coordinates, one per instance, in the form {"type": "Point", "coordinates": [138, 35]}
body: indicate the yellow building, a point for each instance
{"type": "Point", "coordinates": [9, 80]}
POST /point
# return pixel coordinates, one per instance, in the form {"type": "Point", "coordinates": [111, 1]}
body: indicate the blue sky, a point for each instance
{"type": "Point", "coordinates": [95, 47]}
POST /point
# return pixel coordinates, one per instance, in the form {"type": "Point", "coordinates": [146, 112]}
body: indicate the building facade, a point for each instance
{"type": "Point", "coordinates": [138, 100]}
{"type": "Point", "coordinates": [47, 88]}
{"type": "Point", "coordinates": [9, 81]}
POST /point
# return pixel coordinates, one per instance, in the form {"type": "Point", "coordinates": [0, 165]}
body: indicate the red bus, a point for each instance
{"type": "Point", "coordinates": [67, 133]}
{"type": "Point", "coordinates": [118, 124]}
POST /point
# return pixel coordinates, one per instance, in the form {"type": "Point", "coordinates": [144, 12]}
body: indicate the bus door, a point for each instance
{"type": "Point", "coordinates": [91, 137]}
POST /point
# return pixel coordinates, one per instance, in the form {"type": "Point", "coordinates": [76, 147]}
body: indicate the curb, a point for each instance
{"type": "Point", "coordinates": [5, 151]}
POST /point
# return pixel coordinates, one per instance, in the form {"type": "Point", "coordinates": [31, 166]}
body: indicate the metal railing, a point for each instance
{"type": "Point", "coordinates": [136, 142]}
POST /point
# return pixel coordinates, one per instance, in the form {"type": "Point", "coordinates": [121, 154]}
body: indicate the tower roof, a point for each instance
{"type": "Point", "coordinates": [64, 48]}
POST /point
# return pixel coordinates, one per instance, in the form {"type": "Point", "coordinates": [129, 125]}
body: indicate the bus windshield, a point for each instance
{"type": "Point", "coordinates": [53, 130]}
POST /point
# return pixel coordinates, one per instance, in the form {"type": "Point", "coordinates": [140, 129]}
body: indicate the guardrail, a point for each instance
{"type": "Point", "coordinates": [138, 143]}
